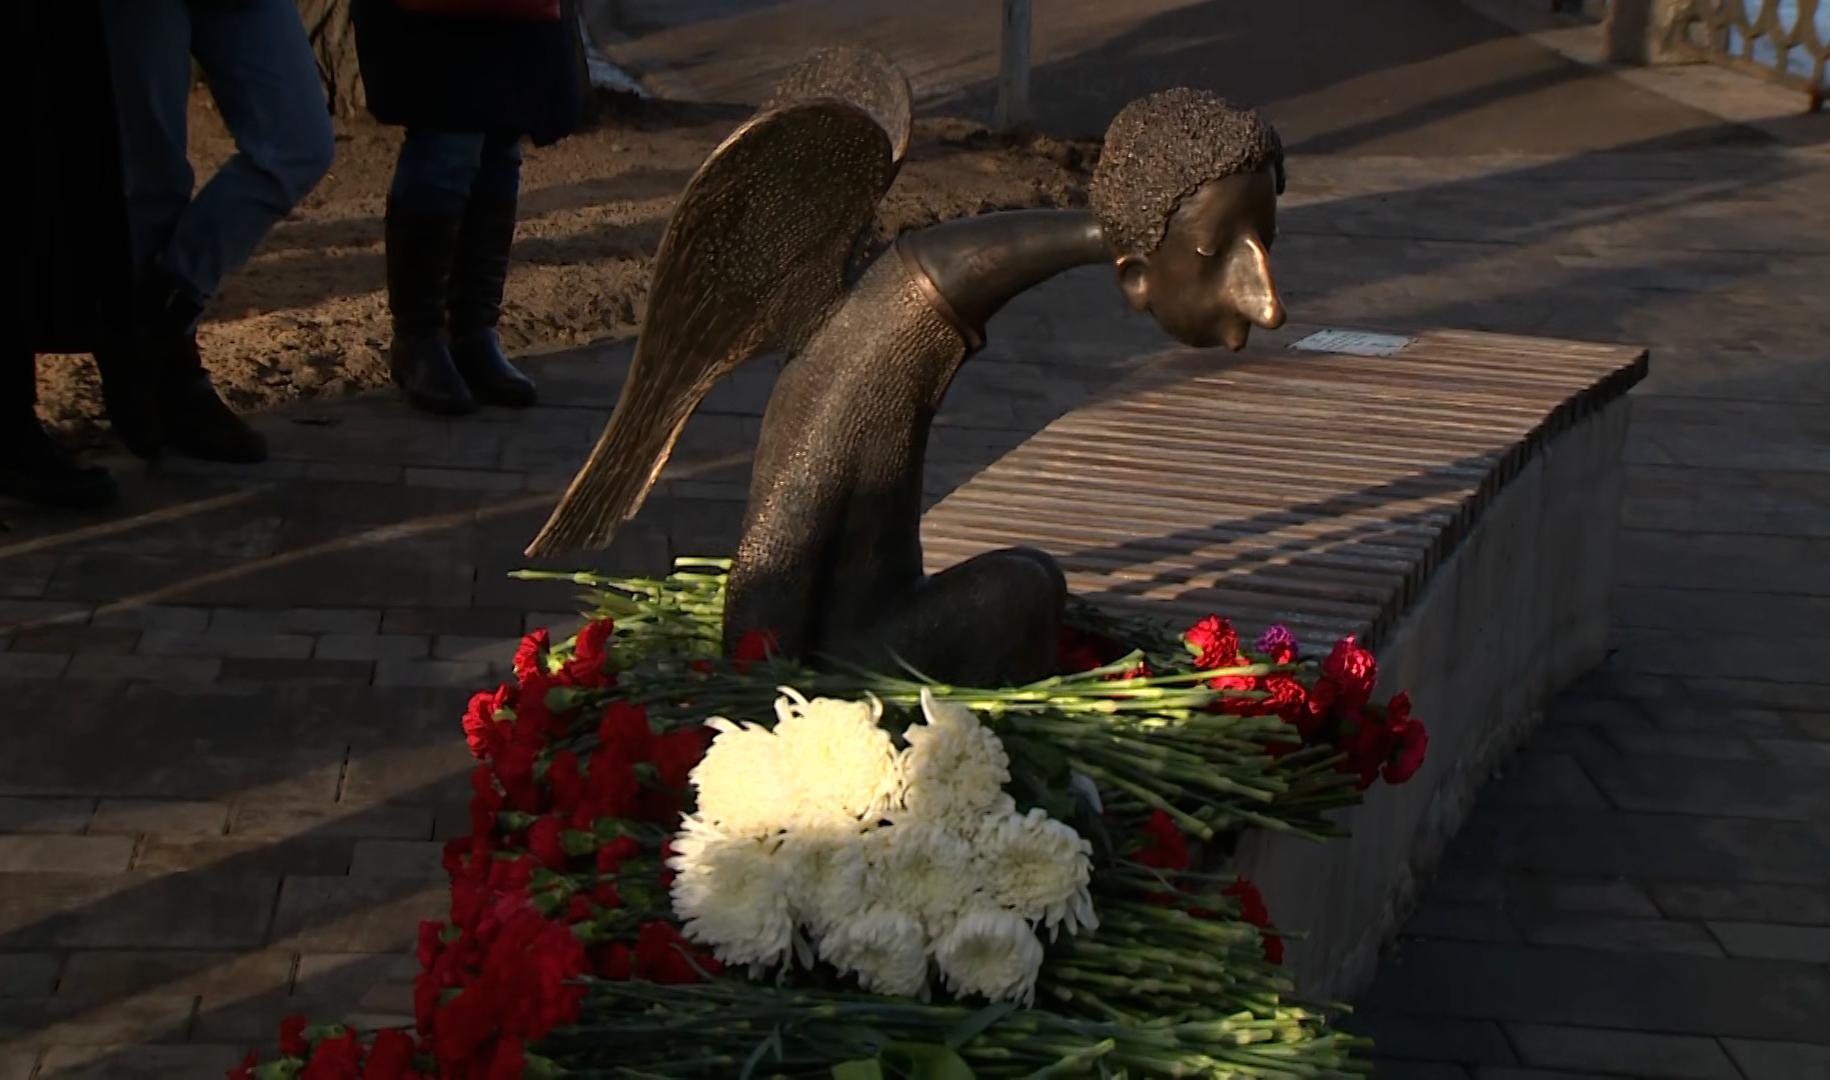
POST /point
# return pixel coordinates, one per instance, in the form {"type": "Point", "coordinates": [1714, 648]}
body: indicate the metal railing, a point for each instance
{"type": "Point", "coordinates": [1784, 40]}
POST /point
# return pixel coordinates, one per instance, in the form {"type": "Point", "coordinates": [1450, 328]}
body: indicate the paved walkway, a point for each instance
{"type": "Point", "coordinates": [230, 749]}
{"type": "Point", "coordinates": [1421, 77]}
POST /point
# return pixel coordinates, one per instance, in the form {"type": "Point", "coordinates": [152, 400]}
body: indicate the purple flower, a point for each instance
{"type": "Point", "coordinates": [1278, 643]}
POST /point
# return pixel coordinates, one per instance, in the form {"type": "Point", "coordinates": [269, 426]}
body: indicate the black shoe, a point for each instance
{"type": "Point", "coordinates": [479, 359]}
{"type": "Point", "coordinates": [197, 423]}
{"type": "Point", "coordinates": [423, 369]}
{"type": "Point", "coordinates": [130, 380]}
{"type": "Point", "coordinates": [136, 369]}
{"type": "Point", "coordinates": [420, 249]}
{"type": "Point", "coordinates": [35, 469]}
{"type": "Point", "coordinates": [479, 273]}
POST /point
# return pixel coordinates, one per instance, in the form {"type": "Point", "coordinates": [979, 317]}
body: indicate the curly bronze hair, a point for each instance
{"type": "Point", "coordinates": [1162, 148]}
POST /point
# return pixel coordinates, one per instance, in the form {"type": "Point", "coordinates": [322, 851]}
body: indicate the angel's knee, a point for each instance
{"type": "Point", "coordinates": [1027, 584]}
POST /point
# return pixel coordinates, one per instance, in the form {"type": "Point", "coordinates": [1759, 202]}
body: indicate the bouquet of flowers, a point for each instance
{"type": "Point", "coordinates": [685, 865]}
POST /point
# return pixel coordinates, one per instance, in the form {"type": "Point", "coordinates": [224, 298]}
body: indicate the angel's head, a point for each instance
{"type": "Point", "coordinates": [1186, 196]}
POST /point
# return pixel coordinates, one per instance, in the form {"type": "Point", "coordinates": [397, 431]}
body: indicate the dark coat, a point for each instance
{"type": "Point", "coordinates": [76, 258]}
{"type": "Point", "coordinates": [472, 74]}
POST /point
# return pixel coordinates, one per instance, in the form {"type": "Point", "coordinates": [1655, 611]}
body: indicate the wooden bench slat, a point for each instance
{"type": "Point", "coordinates": [1311, 489]}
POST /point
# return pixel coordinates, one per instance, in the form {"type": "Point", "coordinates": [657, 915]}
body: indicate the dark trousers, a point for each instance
{"type": "Point", "coordinates": [439, 171]}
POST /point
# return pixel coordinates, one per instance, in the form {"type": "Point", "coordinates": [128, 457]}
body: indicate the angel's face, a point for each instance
{"type": "Point", "coordinates": [1209, 282]}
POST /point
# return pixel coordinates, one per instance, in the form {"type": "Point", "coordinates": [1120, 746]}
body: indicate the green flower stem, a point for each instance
{"type": "Point", "coordinates": [1186, 821]}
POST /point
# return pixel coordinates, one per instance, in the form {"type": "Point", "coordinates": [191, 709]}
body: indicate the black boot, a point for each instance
{"type": "Point", "coordinates": [420, 250]}
{"type": "Point", "coordinates": [156, 390]}
{"type": "Point", "coordinates": [131, 363]}
{"type": "Point", "coordinates": [478, 276]}
{"type": "Point", "coordinates": [33, 467]}
{"type": "Point", "coordinates": [195, 420]}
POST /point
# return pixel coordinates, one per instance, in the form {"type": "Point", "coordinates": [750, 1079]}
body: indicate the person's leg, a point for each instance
{"type": "Point", "coordinates": [432, 184]}
{"type": "Point", "coordinates": [149, 58]}
{"type": "Point", "coordinates": [480, 274]}
{"type": "Point", "coordinates": [264, 79]}
{"type": "Point", "coordinates": [33, 467]}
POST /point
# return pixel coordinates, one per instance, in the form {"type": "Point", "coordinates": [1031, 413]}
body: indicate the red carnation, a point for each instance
{"type": "Point", "coordinates": [610, 787]}
{"type": "Point", "coordinates": [338, 1058]}
{"type": "Point", "coordinates": [1251, 902]}
{"type": "Point", "coordinates": [1081, 651]}
{"type": "Point", "coordinates": [611, 854]}
{"type": "Point", "coordinates": [1287, 697]}
{"type": "Point", "coordinates": [485, 803]}
{"type": "Point", "coordinates": [1273, 948]}
{"type": "Point", "coordinates": [534, 720]}
{"type": "Point", "coordinates": [530, 655]}
{"type": "Point", "coordinates": [663, 956]}
{"type": "Point", "coordinates": [511, 876]}
{"type": "Point", "coordinates": [678, 751]}
{"type": "Point", "coordinates": [1213, 642]}
{"type": "Point", "coordinates": [245, 1071]}
{"type": "Point", "coordinates": [429, 943]}
{"type": "Point", "coordinates": [543, 839]}
{"type": "Point", "coordinates": [579, 908]}
{"type": "Point", "coordinates": [1367, 747]}
{"type": "Point", "coordinates": [615, 961]}
{"type": "Point", "coordinates": [292, 1037]}
{"type": "Point", "coordinates": [515, 772]}
{"type": "Point", "coordinates": [524, 986]}
{"type": "Point", "coordinates": [1353, 670]}
{"type": "Point", "coordinates": [1167, 849]}
{"type": "Point", "coordinates": [624, 732]}
{"type": "Point", "coordinates": [590, 661]}
{"type": "Point", "coordinates": [566, 780]}
{"type": "Point", "coordinates": [754, 646]}
{"type": "Point", "coordinates": [509, 1062]}
{"type": "Point", "coordinates": [391, 1058]}
{"type": "Point", "coordinates": [481, 730]}
{"type": "Point", "coordinates": [1412, 741]}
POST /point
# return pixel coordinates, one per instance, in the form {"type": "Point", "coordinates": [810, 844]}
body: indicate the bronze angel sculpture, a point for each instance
{"type": "Point", "coordinates": [761, 255]}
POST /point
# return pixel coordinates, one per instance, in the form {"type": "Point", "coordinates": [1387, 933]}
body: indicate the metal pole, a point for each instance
{"type": "Point", "coordinates": [1013, 68]}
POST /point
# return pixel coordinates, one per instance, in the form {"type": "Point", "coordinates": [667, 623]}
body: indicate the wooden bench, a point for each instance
{"type": "Point", "coordinates": [1454, 503]}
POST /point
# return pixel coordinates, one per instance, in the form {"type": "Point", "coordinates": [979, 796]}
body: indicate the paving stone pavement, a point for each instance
{"type": "Point", "coordinates": [232, 751]}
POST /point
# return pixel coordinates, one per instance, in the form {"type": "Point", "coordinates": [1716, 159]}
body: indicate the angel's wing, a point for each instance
{"type": "Point", "coordinates": [753, 258]}
{"type": "Point", "coordinates": [863, 77]}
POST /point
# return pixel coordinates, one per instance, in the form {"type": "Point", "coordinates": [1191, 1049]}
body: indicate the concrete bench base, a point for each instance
{"type": "Point", "coordinates": [1514, 615]}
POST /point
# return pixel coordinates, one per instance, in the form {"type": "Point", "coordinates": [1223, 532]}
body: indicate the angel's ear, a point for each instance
{"type": "Point", "coordinates": [1134, 281]}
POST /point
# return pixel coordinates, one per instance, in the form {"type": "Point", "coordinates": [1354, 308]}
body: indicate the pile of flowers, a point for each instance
{"type": "Point", "coordinates": [882, 862]}
{"type": "Point", "coordinates": [678, 867]}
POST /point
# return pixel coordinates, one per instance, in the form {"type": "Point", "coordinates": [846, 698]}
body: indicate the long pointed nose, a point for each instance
{"type": "Point", "coordinates": [1256, 289]}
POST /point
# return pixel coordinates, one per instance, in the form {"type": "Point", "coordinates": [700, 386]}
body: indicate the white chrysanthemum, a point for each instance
{"type": "Point", "coordinates": [920, 867]}
{"type": "Point", "coordinates": [826, 875]}
{"type": "Point", "coordinates": [1037, 867]}
{"type": "Point", "coordinates": [730, 893]}
{"type": "Point", "coordinates": [743, 782]}
{"type": "Point", "coordinates": [843, 765]}
{"type": "Point", "coordinates": [885, 948]}
{"type": "Point", "coordinates": [955, 768]}
{"type": "Point", "coordinates": [991, 953]}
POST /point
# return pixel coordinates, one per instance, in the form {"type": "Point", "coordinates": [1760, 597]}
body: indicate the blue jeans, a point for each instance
{"type": "Point", "coordinates": [264, 78]}
{"type": "Point", "coordinates": [439, 171]}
